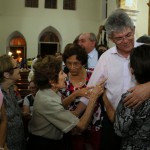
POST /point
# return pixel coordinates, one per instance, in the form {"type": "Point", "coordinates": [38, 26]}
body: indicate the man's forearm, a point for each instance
{"type": "Point", "coordinates": [138, 95]}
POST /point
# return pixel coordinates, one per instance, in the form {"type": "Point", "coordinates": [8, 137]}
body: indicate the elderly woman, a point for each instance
{"type": "Point", "coordinates": [9, 74]}
{"type": "Point", "coordinates": [75, 58]}
{"type": "Point", "coordinates": [50, 119]}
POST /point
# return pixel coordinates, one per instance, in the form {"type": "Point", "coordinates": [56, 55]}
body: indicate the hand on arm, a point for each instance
{"type": "Point", "coordinates": [94, 94]}
{"type": "Point", "coordinates": [81, 92]}
{"type": "Point", "coordinates": [96, 91]}
{"type": "Point", "coordinates": [138, 95]}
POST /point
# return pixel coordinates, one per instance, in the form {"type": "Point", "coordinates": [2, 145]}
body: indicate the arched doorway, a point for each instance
{"type": "Point", "coordinates": [49, 42]}
{"type": "Point", "coordinates": [17, 46]}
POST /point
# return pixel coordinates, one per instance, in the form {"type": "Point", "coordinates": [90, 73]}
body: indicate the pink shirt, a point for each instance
{"type": "Point", "coordinates": [1, 98]}
{"type": "Point", "coordinates": [116, 69]}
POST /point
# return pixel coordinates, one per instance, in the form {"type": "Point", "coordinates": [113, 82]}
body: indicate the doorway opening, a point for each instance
{"type": "Point", "coordinates": [49, 42]}
{"type": "Point", "coordinates": [16, 46]}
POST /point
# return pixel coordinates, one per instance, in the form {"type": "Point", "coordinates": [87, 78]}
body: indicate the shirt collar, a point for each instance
{"type": "Point", "coordinates": [114, 50]}
{"type": "Point", "coordinates": [92, 53]}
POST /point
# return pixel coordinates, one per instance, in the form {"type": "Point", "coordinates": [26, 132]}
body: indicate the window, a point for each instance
{"type": "Point", "coordinates": [69, 4]}
{"type": "Point", "coordinates": [51, 4]}
{"type": "Point", "coordinates": [31, 3]}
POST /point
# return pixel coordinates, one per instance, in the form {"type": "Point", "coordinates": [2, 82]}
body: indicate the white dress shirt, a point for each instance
{"type": "Point", "coordinates": [116, 69]}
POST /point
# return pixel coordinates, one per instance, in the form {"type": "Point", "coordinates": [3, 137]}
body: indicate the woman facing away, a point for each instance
{"type": "Point", "coordinates": [9, 74]}
{"type": "Point", "coordinates": [50, 120]}
{"type": "Point", "coordinates": [133, 124]}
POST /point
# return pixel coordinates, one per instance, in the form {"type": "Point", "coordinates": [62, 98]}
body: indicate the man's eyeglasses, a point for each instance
{"type": "Point", "coordinates": [119, 40]}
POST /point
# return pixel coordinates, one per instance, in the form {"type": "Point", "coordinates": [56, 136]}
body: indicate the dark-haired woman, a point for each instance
{"type": "Point", "coordinates": [50, 120]}
{"type": "Point", "coordinates": [133, 124]}
{"type": "Point", "coordinates": [75, 58]}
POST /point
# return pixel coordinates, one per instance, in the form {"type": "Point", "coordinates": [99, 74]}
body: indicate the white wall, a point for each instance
{"type": "Point", "coordinates": [142, 18]}
{"type": "Point", "coordinates": [32, 21]}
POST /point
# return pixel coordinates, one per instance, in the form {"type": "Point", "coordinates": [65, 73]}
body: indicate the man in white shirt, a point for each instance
{"type": "Point", "coordinates": [114, 63]}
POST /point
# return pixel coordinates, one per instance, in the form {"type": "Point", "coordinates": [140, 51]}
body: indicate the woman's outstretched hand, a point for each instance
{"type": "Point", "coordinates": [97, 90]}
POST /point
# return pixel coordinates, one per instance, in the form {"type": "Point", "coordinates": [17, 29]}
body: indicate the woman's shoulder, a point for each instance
{"type": "Point", "coordinates": [47, 95]}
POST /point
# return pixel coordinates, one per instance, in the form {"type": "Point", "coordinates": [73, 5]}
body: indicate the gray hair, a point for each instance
{"type": "Point", "coordinates": [92, 37]}
{"type": "Point", "coordinates": [117, 22]}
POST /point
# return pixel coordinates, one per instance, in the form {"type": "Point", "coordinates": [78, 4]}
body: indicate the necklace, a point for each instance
{"type": "Point", "coordinates": [80, 83]}
{"type": "Point", "coordinates": [79, 80]}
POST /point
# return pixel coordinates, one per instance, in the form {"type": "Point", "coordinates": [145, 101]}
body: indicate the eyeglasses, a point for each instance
{"type": "Point", "coordinates": [119, 40]}
{"type": "Point", "coordinates": [74, 64]}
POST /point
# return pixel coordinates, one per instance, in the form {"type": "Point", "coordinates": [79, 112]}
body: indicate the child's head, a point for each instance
{"type": "Point", "coordinates": [32, 87]}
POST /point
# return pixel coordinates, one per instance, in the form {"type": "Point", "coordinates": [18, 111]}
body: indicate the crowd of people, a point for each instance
{"type": "Point", "coordinates": [87, 98]}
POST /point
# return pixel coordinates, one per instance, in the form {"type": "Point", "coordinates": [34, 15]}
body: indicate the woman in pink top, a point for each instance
{"type": "Point", "coordinates": [3, 123]}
